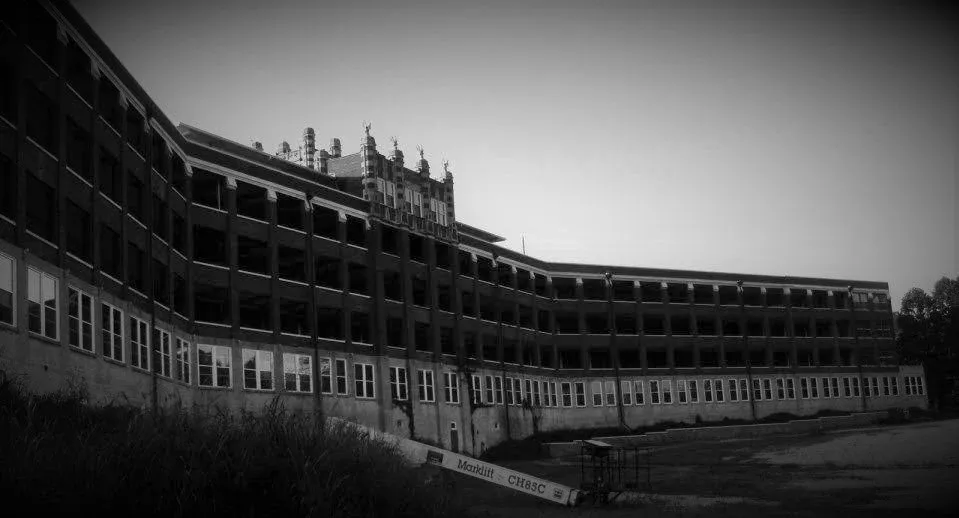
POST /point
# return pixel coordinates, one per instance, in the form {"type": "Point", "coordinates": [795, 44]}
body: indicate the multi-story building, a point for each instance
{"type": "Point", "coordinates": [162, 265]}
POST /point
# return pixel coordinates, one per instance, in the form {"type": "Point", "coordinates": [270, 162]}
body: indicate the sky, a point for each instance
{"type": "Point", "coordinates": [783, 138]}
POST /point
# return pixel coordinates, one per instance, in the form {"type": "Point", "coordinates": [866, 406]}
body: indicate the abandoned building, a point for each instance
{"type": "Point", "coordinates": [165, 265]}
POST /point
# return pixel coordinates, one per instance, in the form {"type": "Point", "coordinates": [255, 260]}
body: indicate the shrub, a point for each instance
{"type": "Point", "coordinates": [60, 454]}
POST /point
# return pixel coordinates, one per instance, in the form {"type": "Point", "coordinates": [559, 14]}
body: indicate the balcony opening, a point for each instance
{"type": "Point", "coordinates": [735, 357]}
{"type": "Point", "coordinates": [542, 321]}
{"type": "Point", "coordinates": [541, 286]}
{"type": "Point", "coordinates": [781, 359]}
{"type": "Point", "coordinates": [754, 327]}
{"type": "Point", "coordinates": [329, 323]}
{"type": "Point", "coordinates": [523, 280]}
{"type": "Point", "coordinates": [251, 201]}
{"type": "Point", "coordinates": [629, 358]}
{"type": "Point", "coordinates": [504, 275]}
{"type": "Point", "coordinates": [844, 328]}
{"type": "Point", "coordinates": [703, 294]}
{"type": "Point", "coordinates": [394, 332]}
{"type": "Point", "coordinates": [706, 326]}
{"type": "Point", "coordinates": [827, 356]}
{"type": "Point", "coordinates": [136, 205]}
{"type": "Point", "coordinates": [729, 295]}
{"type": "Point", "coordinates": [420, 291]}
{"type": "Point", "coordinates": [801, 328]}
{"type": "Point", "coordinates": [654, 325]}
{"type": "Point", "coordinates": [626, 324]}
{"type": "Point", "coordinates": [752, 296]}
{"type": "Point", "coordinates": [567, 322]}
{"type": "Point", "coordinates": [678, 293]}
{"type": "Point", "coordinates": [841, 299]}
{"type": "Point", "coordinates": [570, 359]}
{"type": "Point", "coordinates": [79, 158]}
{"type": "Point", "coordinates": [731, 326]}
{"type": "Point", "coordinates": [546, 357]}
{"type": "Point", "coordinates": [356, 231]}
{"type": "Point", "coordinates": [326, 222]}
{"type": "Point", "coordinates": [797, 298]}
{"type": "Point", "coordinates": [683, 359]}
{"type": "Point", "coordinates": [470, 345]}
{"type": "Point", "coordinates": [656, 359]}
{"type": "Point", "coordinates": [490, 352]}
{"type": "Point", "coordinates": [360, 328]}
{"type": "Point", "coordinates": [211, 303]}
{"type": "Point", "coordinates": [136, 268]}
{"type": "Point", "coordinates": [41, 209]}
{"type": "Point", "coordinates": [466, 263]}
{"type": "Point", "coordinates": [484, 269]}
{"type": "Point", "coordinates": [209, 189]}
{"type": "Point", "coordinates": [594, 289]}
{"type": "Point", "coordinates": [421, 336]}
{"type": "Point", "coordinates": [289, 211]}
{"type": "Point", "coordinates": [824, 328]}
{"type": "Point", "coordinates": [777, 327]}
{"type": "Point", "coordinates": [178, 176]}
{"type": "Point", "coordinates": [291, 263]}
{"type": "Point", "coordinates": [599, 359]}
{"type": "Point", "coordinates": [111, 251]}
{"type": "Point", "coordinates": [294, 317]}
{"type": "Point", "coordinates": [597, 324]}
{"type": "Point", "coordinates": [327, 272]}
{"type": "Point", "coordinates": [525, 316]}
{"type": "Point", "coordinates": [529, 356]}
{"type": "Point", "coordinates": [708, 357]}
{"type": "Point", "coordinates": [774, 297]}
{"type": "Point", "coordinates": [444, 298]}
{"type": "Point", "coordinates": [209, 245]}
{"type": "Point", "coordinates": [487, 309]}
{"type": "Point", "coordinates": [255, 311]}
{"type": "Point", "coordinates": [443, 256]}
{"type": "Point", "coordinates": [680, 325]}
{"type": "Point", "coordinates": [651, 291]}
{"type": "Point", "coordinates": [359, 278]}
{"type": "Point", "coordinates": [757, 357]}
{"type": "Point", "coordinates": [623, 290]}
{"type": "Point", "coordinates": [253, 255]}
{"type": "Point", "coordinates": [820, 299]}
{"type": "Point", "coordinates": [507, 316]}
{"type": "Point", "coordinates": [180, 295]}
{"type": "Point", "coordinates": [42, 124]}
{"type": "Point", "coordinates": [468, 302]}
{"type": "Point", "coordinates": [446, 340]}
{"type": "Point", "coordinates": [863, 328]}
{"type": "Point", "coordinates": [564, 288]}
{"type": "Point", "coordinates": [160, 213]}
{"type": "Point", "coordinates": [79, 238]}
{"type": "Point", "coordinates": [161, 286]}
{"type": "Point", "coordinates": [417, 248]}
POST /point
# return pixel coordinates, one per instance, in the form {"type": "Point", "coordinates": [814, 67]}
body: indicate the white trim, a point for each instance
{"type": "Point", "coordinates": [166, 136]}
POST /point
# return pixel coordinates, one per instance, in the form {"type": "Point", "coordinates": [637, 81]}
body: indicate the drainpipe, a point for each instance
{"type": "Point", "coordinates": [499, 342]}
{"type": "Point", "coordinates": [855, 334]}
{"type": "Point", "coordinates": [311, 277]}
{"type": "Point", "coordinates": [613, 349]}
{"type": "Point", "coordinates": [749, 371]}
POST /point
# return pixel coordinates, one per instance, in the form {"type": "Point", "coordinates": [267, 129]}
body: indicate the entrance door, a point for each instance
{"type": "Point", "coordinates": [454, 438]}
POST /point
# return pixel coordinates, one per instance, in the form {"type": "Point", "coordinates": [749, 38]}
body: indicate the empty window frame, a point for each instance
{"type": "Point", "coordinates": [326, 376]}
{"type": "Point", "coordinates": [342, 385]}
{"type": "Point", "coordinates": [693, 391]}
{"type": "Point", "coordinates": [580, 389]}
{"type": "Point", "coordinates": [214, 364]}
{"type": "Point", "coordinates": [80, 317]}
{"type": "Point", "coordinates": [731, 390]}
{"type": "Point", "coordinates": [164, 347]}
{"type": "Point", "coordinates": [654, 392]}
{"type": "Point", "coordinates": [297, 373]}
{"type": "Point", "coordinates": [257, 369]}
{"type": "Point", "coordinates": [181, 363]}
{"type": "Point", "coordinates": [476, 386]}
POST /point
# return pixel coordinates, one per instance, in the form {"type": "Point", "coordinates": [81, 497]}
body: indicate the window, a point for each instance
{"type": "Point", "coordinates": [639, 392]}
{"type": "Point", "coordinates": [489, 390]}
{"type": "Point", "coordinates": [885, 385]}
{"type": "Point", "coordinates": [731, 386]}
{"type": "Point", "coordinates": [693, 391]}
{"type": "Point", "coordinates": [499, 390]}
{"type": "Point", "coordinates": [527, 392]}
{"type": "Point", "coordinates": [654, 392]}
{"type": "Point", "coordinates": [297, 373]}
{"type": "Point", "coordinates": [627, 390]}
{"type": "Point", "coordinates": [111, 332]}
{"type": "Point", "coordinates": [165, 349]}
{"type": "Point", "coordinates": [139, 344]}
{"type": "Point", "coordinates": [596, 388]}
{"type": "Point", "coordinates": [399, 384]}
{"type": "Point", "coordinates": [536, 393]}
{"type": "Point", "coordinates": [452, 388]}
{"type": "Point", "coordinates": [826, 393]}
{"type": "Point", "coordinates": [342, 388]}
{"type": "Point", "coordinates": [580, 387]}
{"type": "Point", "coordinates": [80, 319]}
{"type": "Point", "coordinates": [326, 376]}
{"type": "Point", "coordinates": [846, 387]}
{"type": "Point", "coordinates": [567, 396]}
{"type": "Point", "coordinates": [257, 369]}
{"type": "Point", "coordinates": [610, 393]}
{"type": "Point", "coordinates": [720, 395]}
{"type": "Point", "coordinates": [855, 387]}
{"type": "Point", "coordinates": [865, 385]}
{"type": "Point", "coordinates": [814, 388]}
{"type": "Point", "coordinates": [708, 390]}
{"type": "Point", "coordinates": [804, 388]}
{"type": "Point", "coordinates": [681, 391]}
{"type": "Point", "coordinates": [42, 307]}
{"type": "Point", "coordinates": [517, 392]}
{"type": "Point", "coordinates": [181, 367]}
{"type": "Point", "coordinates": [477, 390]}
{"type": "Point", "coordinates": [780, 389]}
{"type": "Point", "coordinates": [215, 366]}
{"type": "Point", "coordinates": [835, 387]}
{"type": "Point", "coordinates": [919, 385]}
{"type": "Point", "coordinates": [363, 380]}
{"type": "Point", "coordinates": [552, 394]}
{"type": "Point", "coordinates": [425, 387]}
{"type": "Point", "coordinates": [757, 390]}
{"type": "Point", "coordinates": [7, 284]}
{"type": "Point", "coordinates": [667, 392]}
{"type": "Point", "coordinates": [790, 388]}
{"type": "Point", "coordinates": [895, 386]}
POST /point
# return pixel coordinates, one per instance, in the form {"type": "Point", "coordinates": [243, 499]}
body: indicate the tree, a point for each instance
{"type": "Point", "coordinates": [929, 334]}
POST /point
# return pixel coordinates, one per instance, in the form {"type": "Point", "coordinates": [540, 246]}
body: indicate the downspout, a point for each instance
{"type": "Point", "coordinates": [614, 350]}
{"type": "Point", "coordinates": [311, 278]}
{"type": "Point", "coordinates": [855, 334]}
{"type": "Point", "coordinates": [749, 372]}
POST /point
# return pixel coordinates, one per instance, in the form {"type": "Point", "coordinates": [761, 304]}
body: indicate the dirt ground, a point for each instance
{"type": "Point", "coordinates": [883, 471]}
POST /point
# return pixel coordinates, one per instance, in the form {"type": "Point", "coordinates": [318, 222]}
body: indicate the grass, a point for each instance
{"type": "Point", "coordinates": [61, 455]}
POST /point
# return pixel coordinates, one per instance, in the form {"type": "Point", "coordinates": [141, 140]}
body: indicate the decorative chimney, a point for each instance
{"type": "Point", "coordinates": [324, 162]}
{"type": "Point", "coordinates": [309, 147]}
{"type": "Point", "coordinates": [258, 146]}
{"type": "Point", "coordinates": [398, 177]}
{"type": "Point", "coordinates": [423, 166]}
{"type": "Point", "coordinates": [369, 155]}
{"type": "Point", "coordinates": [335, 150]}
{"type": "Point", "coordinates": [284, 149]}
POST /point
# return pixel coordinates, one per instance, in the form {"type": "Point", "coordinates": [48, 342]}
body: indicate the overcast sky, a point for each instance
{"type": "Point", "coordinates": [808, 139]}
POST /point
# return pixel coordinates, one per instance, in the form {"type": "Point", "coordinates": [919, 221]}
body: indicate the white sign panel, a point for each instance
{"type": "Point", "coordinates": [503, 477]}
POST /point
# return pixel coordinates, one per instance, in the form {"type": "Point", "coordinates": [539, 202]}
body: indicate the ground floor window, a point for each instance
{"type": "Point", "coordinates": [42, 303]}
{"type": "Point", "coordinates": [111, 332]}
{"type": "Point", "coordinates": [804, 388]}
{"type": "Point", "coordinates": [164, 353]}
{"type": "Point", "coordinates": [708, 390]}
{"type": "Point", "coordinates": [681, 393]}
{"type": "Point", "coordinates": [790, 388]}
{"type": "Point", "coordinates": [80, 316]}
{"type": "Point", "coordinates": [364, 383]}
{"type": "Point", "coordinates": [498, 381]}
{"type": "Point", "coordinates": [693, 392]}
{"type": "Point", "coordinates": [257, 369]}
{"type": "Point", "coordinates": [640, 393]}
{"type": "Point", "coordinates": [139, 344]}
{"type": "Point", "coordinates": [780, 389]}
{"type": "Point", "coordinates": [536, 393]}
{"type": "Point", "coordinates": [596, 389]}
{"type": "Point", "coordinates": [767, 389]}
{"type": "Point", "coordinates": [452, 386]}
{"type": "Point", "coordinates": [610, 393]}
{"type": "Point", "coordinates": [814, 388]}
{"type": "Point", "coordinates": [425, 385]}
{"type": "Point", "coordinates": [517, 392]}
{"type": "Point", "coordinates": [875, 386]}
{"type": "Point", "coordinates": [846, 387]}
{"type": "Point", "coordinates": [399, 389]}
{"type": "Point", "coordinates": [895, 386]}
{"type": "Point", "coordinates": [489, 390]}
{"type": "Point", "coordinates": [757, 390]}
{"type": "Point", "coordinates": [552, 394]}
{"type": "Point", "coordinates": [855, 387]}
{"type": "Point", "coordinates": [297, 372]}
{"type": "Point", "coordinates": [733, 394]}
{"type": "Point", "coordinates": [342, 385]}
{"type": "Point", "coordinates": [718, 385]}
{"type": "Point", "coordinates": [580, 387]}
{"type": "Point", "coordinates": [567, 389]}
{"type": "Point", "coordinates": [326, 376]}
{"type": "Point", "coordinates": [743, 390]}
{"type": "Point", "coordinates": [215, 366]}
{"type": "Point", "coordinates": [835, 387]}
{"type": "Point", "coordinates": [181, 370]}
{"type": "Point", "coordinates": [627, 391]}
{"type": "Point", "coordinates": [7, 285]}
{"type": "Point", "coordinates": [477, 389]}
{"type": "Point", "coordinates": [654, 392]}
